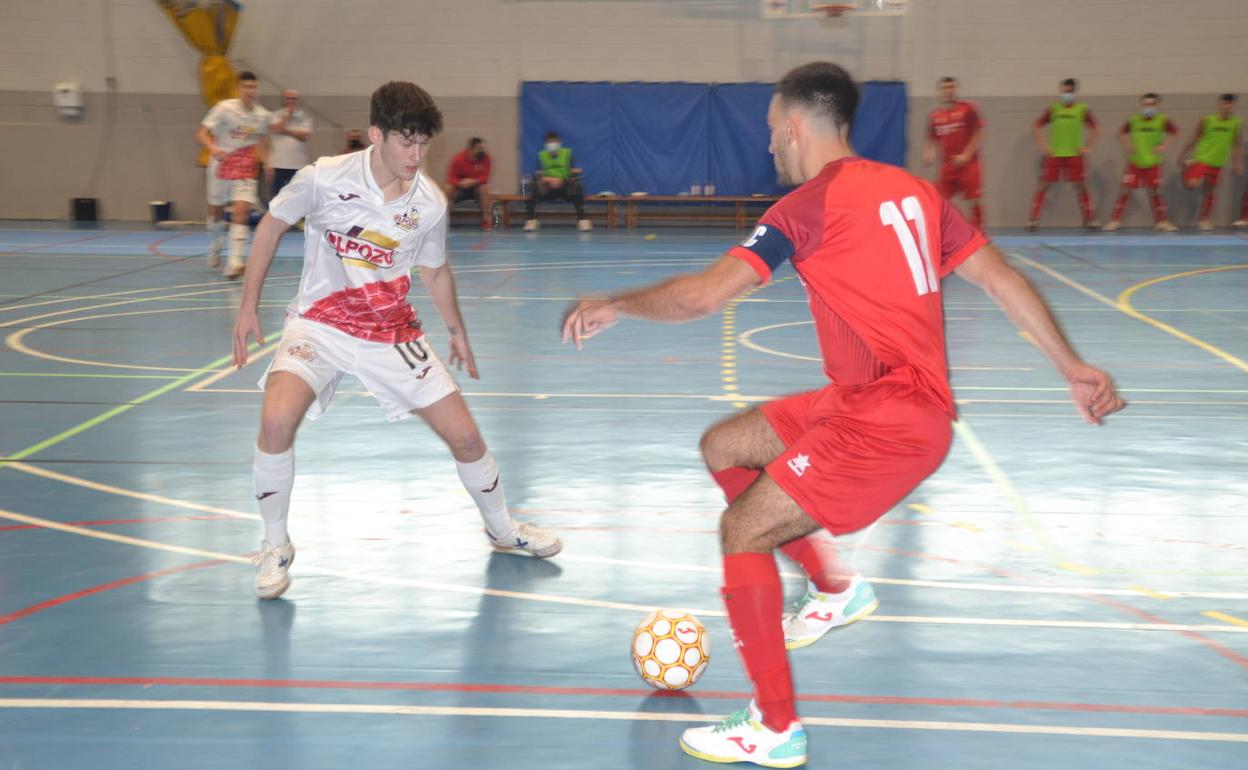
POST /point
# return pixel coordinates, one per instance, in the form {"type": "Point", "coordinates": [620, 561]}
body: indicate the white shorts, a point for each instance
{"type": "Point", "coordinates": [401, 377]}
{"type": "Point", "coordinates": [223, 191]}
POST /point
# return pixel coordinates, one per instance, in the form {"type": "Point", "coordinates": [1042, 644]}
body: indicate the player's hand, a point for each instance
{"type": "Point", "coordinates": [1085, 150]}
{"type": "Point", "coordinates": [461, 356]}
{"type": "Point", "coordinates": [217, 153]}
{"type": "Point", "coordinates": [247, 325]}
{"type": "Point", "coordinates": [589, 319]}
{"type": "Point", "coordinates": [1093, 393]}
{"type": "Point", "coordinates": [960, 159]}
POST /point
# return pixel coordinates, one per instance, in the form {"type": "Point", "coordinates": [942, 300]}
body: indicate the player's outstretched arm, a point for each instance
{"type": "Point", "coordinates": [1091, 389]}
{"type": "Point", "coordinates": [263, 247]}
{"type": "Point", "coordinates": [440, 282]}
{"type": "Point", "coordinates": [683, 298]}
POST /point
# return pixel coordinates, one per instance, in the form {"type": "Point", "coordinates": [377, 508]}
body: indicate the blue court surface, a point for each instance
{"type": "Point", "coordinates": [1056, 595]}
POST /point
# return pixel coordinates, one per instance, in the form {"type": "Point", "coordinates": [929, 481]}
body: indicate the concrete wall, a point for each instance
{"type": "Point", "coordinates": [137, 143]}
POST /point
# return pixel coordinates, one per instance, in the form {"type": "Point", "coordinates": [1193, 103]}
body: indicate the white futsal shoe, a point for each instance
{"type": "Point", "coordinates": [818, 613]}
{"type": "Point", "coordinates": [528, 539]}
{"type": "Point", "coordinates": [742, 737]}
{"type": "Point", "coordinates": [584, 225]}
{"type": "Point", "coordinates": [272, 577]}
{"type": "Point", "coordinates": [532, 226]}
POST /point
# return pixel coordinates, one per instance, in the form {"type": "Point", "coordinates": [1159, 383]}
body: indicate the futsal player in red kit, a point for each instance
{"type": "Point", "coordinates": [871, 244]}
{"type": "Point", "coordinates": [956, 128]}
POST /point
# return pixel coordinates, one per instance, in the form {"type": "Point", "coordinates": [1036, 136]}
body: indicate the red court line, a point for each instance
{"type": "Point", "coordinates": [512, 689]}
{"type": "Point", "coordinates": [1217, 647]}
{"type": "Point", "coordinates": [41, 606]}
{"type": "Point", "coordinates": [153, 248]}
{"type": "Point", "coordinates": [115, 522]}
{"type": "Point", "coordinates": [59, 243]}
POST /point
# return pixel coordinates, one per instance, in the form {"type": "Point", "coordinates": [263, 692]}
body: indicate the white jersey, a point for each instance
{"type": "Point", "coordinates": [287, 151]}
{"type": "Point", "coordinates": [233, 127]}
{"type": "Point", "coordinates": [359, 252]}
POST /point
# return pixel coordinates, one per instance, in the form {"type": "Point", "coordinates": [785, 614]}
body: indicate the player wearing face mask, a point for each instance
{"type": "Point", "coordinates": [1145, 135]}
{"type": "Point", "coordinates": [1064, 144]}
{"type": "Point", "coordinates": [557, 177]}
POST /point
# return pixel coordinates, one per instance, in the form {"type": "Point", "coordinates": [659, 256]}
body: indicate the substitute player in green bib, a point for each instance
{"type": "Point", "coordinates": [1064, 144]}
{"type": "Point", "coordinates": [1217, 140]}
{"type": "Point", "coordinates": [1145, 135]}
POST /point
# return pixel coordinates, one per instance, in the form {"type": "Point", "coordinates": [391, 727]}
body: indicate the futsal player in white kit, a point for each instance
{"type": "Point", "coordinates": [236, 133]}
{"type": "Point", "coordinates": [369, 217]}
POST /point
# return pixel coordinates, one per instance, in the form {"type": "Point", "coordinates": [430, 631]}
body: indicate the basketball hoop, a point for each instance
{"type": "Point", "coordinates": [833, 10]}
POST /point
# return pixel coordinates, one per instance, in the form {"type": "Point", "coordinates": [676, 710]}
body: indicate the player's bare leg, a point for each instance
{"type": "Point", "coordinates": [451, 420]}
{"type": "Point", "coordinates": [216, 234]}
{"type": "Point", "coordinates": [239, 230]}
{"type": "Point", "coordinates": [736, 450]}
{"type": "Point", "coordinates": [286, 400]}
{"type": "Point", "coordinates": [767, 731]}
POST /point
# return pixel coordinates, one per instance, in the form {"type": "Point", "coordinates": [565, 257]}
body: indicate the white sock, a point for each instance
{"type": "Point", "coordinates": [274, 478]}
{"type": "Point", "coordinates": [216, 235]}
{"type": "Point", "coordinates": [238, 242]}
{"type": "Point", "coordinates": [482, 480]}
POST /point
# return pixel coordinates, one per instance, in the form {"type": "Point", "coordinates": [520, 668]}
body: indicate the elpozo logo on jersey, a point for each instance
{"type": "Point", "coordinates": [364, 248]}
{"type": "Point", "coordinates": [408, 220]}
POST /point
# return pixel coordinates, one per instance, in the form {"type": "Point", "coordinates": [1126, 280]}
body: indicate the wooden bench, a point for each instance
{"type": "Point", "coordinates": [503, 202]}
{"type": "Point", "coordinates": [714, 208]}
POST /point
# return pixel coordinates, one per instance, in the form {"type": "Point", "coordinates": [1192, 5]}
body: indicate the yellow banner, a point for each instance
{"type": "Point", "coordinates": [208, 25]}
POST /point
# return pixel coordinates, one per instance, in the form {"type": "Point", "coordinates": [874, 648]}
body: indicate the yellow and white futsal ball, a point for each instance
{"type": "Point", "coordinates": [670, 649]}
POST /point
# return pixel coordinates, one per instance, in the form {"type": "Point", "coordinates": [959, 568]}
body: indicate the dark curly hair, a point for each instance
{"type": "Point", "coordinates": [406, 108]}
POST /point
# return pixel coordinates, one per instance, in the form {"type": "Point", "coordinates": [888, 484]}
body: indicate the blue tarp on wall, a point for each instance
{"type": "Point", "coordinates": [664, 138]}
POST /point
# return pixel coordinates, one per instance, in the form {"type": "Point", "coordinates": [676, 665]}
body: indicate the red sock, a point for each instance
{"type": "Point", "coordinates": [1159, 206]}
{"type": "Point", "coordinates": [1119, 206]}
{"type": "Point", "coordinates": [754, 599]}
{"type": "Point", "coordinates": [1206, 205]}
{"type": "Point", "coordinates": [1037, 203]}
{"type": "Point", "coordinates": [820, 561]}
{"type": "Point", "coordinates": [735, 480]}
{"type": "Point", "coordinates": [1243, 209]}
{"type": "Point", "coordinates": [977, 216]}
{"type": "Point", "coordinates": [1085, 204]}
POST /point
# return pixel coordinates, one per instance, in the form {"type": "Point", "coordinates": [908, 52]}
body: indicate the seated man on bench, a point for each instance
{"type": "Point", "coordinates": [556, 177]}
{"type": "Point", "coordinates": [468, 177]}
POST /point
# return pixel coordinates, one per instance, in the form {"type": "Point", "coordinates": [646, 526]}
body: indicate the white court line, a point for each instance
{"type": "Point", "coordinates": [629, 716]}
{"type": "Point", "coordinates": [940, 584]}
{"type": "Point", "coordinates": [601, 604]}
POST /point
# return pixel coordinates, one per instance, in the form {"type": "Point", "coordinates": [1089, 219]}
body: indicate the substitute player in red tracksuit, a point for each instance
{"type": "Point", "coordinates": [956, 127]}
{"type": "Point", "coordinates": [871, 244]}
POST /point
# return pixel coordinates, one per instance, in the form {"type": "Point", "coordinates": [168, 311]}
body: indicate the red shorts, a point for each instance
{"type": "Point", "coordinates": [1195, 172]}
{"type": "Point", "coordinates": [963, 179]}
{"type": "Point", "coordinates": [1056, 168]}
{"type": "Point", "coordinates": [1136, 177]}
{"type": "Point", "coordinates": [852, 453]}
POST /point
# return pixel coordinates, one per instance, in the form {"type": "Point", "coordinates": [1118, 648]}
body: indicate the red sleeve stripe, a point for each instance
{"type": "Point", "coordinates": [753, 260]}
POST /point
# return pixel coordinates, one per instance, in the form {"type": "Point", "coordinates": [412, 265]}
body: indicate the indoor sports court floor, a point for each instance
{"type": "Point", "coordinates": [1056, 595]}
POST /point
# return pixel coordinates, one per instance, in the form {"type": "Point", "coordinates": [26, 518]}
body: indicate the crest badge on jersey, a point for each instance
{"type": "Point", "coordinates": [408, 220]}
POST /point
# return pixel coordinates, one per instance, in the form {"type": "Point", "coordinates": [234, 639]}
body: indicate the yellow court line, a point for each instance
{"type": "Point", "coordinates": [1150, 592]}
{"type": "Point", "coordinates": [199, 385]}
{"type": "Point", "coordinates": [994, 471]}
{"type": "Point", "coordinates": [17, 343]}
{"type": "Point", "coordinates": [108, 489]}
{"type": "Point", "coordinates": [1123, 304]}
{"type": "Point", "coordinates": [1222, 616]}
{"type": "Point", "coordinates": [288, 707]}
{"type": "Point", "coordinates": [107, 295]}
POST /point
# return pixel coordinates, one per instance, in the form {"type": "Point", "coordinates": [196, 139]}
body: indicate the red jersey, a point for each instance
{"type": "Point", "coordinates": [464, 166]}
{"type": "Point", "coordinates": [870, 243]}
{"type": "Point", "coordinates": [952, 127]}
